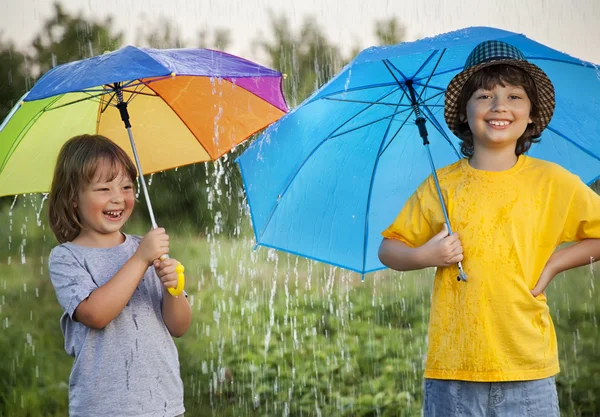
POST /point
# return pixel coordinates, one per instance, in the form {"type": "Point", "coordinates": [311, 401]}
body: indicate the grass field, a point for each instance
{"type": "Point", "coordinates": [274, 335]}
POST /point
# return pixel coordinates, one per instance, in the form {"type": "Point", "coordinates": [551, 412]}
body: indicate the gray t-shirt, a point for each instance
{"type": "Point", "coordinates": [131, 367]}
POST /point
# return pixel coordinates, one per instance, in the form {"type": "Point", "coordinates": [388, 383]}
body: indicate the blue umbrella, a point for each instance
{"type": "Point", "coordinates": [328, 177]}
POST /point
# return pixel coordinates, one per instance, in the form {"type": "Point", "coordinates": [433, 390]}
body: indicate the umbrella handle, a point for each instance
{"type": "Point", "coordinates": [175, 292]}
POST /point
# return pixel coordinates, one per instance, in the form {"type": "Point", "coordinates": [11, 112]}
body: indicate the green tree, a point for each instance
{"type": "Point", "coordinates": [306, 56]}
{"type": "Point", "coordinates": [163, 34]}
{"type": "Point", "coordinates": [389, 31]}
{"type": "Point", "coordinates": [14, 77]}
{"type": "Point", "coordinates": [65, 38]}
{"type": "Point", "coordinates": [220, 39]}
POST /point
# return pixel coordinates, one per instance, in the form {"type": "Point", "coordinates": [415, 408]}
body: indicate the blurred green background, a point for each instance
{"type": "Point", "coordinates": [273, 334]}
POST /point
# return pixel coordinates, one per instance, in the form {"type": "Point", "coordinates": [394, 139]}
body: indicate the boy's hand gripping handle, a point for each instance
{"type": "Point", "coordinates": [461, 273]}
{"type": "Point", "coordinates": [180, 278]}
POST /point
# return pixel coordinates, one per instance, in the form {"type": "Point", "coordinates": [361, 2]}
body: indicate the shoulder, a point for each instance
{"type": "Point", "coordinates": [61, 251]}
{"type": "Point", "coordinates": [532, 163]}
{"type": "Point", "coordinates": [132, 241]}
{"type": "Point", "coordinates": [64, 258]}
{"type": "Point", "coordinates": [453, 168]}
{"type": "Point", "coordinates": [133, 238]}
{"type": "Point", "coordinates": [447, 176]}
{"type": "Point", "coordinates": [541, 170]}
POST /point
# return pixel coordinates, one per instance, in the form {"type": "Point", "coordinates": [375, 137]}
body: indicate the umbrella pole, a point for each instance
{"type": "Point", "coordinates": [142, 180]}
{"type": "Point", "coordinates": [122, 106]}
{"type": "Point", "coordinates": [420, 121]}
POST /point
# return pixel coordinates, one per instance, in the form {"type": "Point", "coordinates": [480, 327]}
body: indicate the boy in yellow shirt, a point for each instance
{"type": "Point", "coordinates": [492, 345]}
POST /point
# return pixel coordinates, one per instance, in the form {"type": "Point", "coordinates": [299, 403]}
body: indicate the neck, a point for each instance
{"type": "Point", "coordinates": [92, 240]}
{"type": "Point", "coordinates": [487, 159]}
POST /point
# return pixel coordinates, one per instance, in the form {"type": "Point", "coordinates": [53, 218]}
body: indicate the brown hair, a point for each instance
{"type": "Point", "coordinates": [488, 78]}
{"type": "Point", "coordinates": [75, 168]}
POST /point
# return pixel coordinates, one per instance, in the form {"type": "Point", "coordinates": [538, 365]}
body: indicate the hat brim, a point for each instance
{"type": "Point", "coordinates": [544, 87]}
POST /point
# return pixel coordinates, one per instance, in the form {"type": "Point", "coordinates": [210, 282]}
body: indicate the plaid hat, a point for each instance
{"type": "Point", "coordinates": [494, 53]}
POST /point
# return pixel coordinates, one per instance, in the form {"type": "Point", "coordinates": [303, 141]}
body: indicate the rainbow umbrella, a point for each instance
{"type": "Point", "coordinates": [187, 106]}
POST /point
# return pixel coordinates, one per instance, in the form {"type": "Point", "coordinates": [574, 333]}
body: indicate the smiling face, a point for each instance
{"type": "Point", "coordinates": [104, 205]}
{"type": "Point", "coordinates": [498, 81]}
{"type": "Point", "coordinates": [498, 116]}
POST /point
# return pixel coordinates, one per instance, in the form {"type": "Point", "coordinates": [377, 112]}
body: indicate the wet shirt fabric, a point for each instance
{"type": "Point", "coordinates": [490, 328]}
{"type": "Point", "coordinates": [131, 367]}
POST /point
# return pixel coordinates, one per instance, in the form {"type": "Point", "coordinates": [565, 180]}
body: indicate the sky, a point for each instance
{"type": "Point", "coordinates": [566, 25]}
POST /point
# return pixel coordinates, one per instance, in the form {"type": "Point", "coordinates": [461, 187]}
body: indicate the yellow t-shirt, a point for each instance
{"type": "Point", "coordinates": [491, 328]}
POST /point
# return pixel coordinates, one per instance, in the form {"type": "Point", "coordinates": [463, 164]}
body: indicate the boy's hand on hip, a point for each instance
{"type": "Point", "coordinates": [545, 278]}
{"type": "Point", "coordinates": [443, 249]}
{"type": "Point", "coordinates": [166, 271]}
{"type": "Point", "coordinates": [154, 245]}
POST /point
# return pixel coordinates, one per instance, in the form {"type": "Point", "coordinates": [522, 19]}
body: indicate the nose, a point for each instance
{"type": "Point", "coordinates": [498, 104]}
{"type": "Point", "coordinates": [116, 198]}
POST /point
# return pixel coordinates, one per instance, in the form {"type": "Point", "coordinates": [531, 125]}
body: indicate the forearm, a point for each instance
{"type": "Point", "coordinates": [106, 303]}
{"type": "Point", "coordinates": [401, 257]}
{"type": "Point", "coordinates": [581, 253]}
{"type": "Point", "coordinates": [177, 314]}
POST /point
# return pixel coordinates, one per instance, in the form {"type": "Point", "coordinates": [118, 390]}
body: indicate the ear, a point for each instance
{"type": "Point", "coordinates": [530, 121]}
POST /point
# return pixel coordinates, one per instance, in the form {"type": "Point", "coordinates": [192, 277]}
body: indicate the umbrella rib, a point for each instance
{"type": "Point", "coordinates": [106, 88]}
{"type": "Point", "coordinates": [433, 87]}
{"type": "Point", "coordinates": [387, 64]}
{"type": "Point", "coordinates": [367, 102]}
{"type": "Point", "coordinates": [565, 137]}
{"type": "Point", "coordinates": [25, 129]}
{"type": "Point", "coordinates": [440, 73]}
{"type": "Point", "coordinates": [372, 180]}
{"type": "Point", "coordinates": [148, 80]}
{"type": "Point", "coordinates": [332, 134]}
{"type": "Point", "coordinates": [429, 58]}
{"type": "Point", "coordinates": [366, 87]}
{"type": "Point", "coordinates": [395, 134]}
{"type": "Point", "coordinates": [434, 97]}
{"type": "Point", "coordinates": [391, 116]}
{"type": "Point", "coordinates": [135, 92]}
{"type": "Point", "coordinates": [430, 75]}
{"type": "Point", "coordinates": [403, 123]}
{"type": "Point", "coordinates": [182, 121]}
{"type": "Point", "coordinates": [92, 97]}
{"type": "Point", "coordinates": [431, 117]}
{"type": "Point", "coordinates": [74, 102]}
{"type": "Point", "coordinates": [108, 102]}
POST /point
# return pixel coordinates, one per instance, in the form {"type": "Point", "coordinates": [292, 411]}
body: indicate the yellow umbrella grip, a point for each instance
{"type": "Point", "coordinates": [180, 281]}
{"type": "Point", "coordinates": [180, 278]}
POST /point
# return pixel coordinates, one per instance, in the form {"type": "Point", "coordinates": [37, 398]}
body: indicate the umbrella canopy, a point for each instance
{"type": "Point", "coordinates": [186, 106]}
{"type": "Point", "coordinates": [326, 179]}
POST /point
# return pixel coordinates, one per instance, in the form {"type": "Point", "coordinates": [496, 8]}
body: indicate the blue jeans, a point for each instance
{"type": "Point", "coordinates": [445, 398]}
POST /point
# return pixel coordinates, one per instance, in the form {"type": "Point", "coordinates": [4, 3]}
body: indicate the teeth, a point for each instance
{"type": "Point", "coordinates": [113, 213]}
{"type": "Point", "coordinates": [498, 123]}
